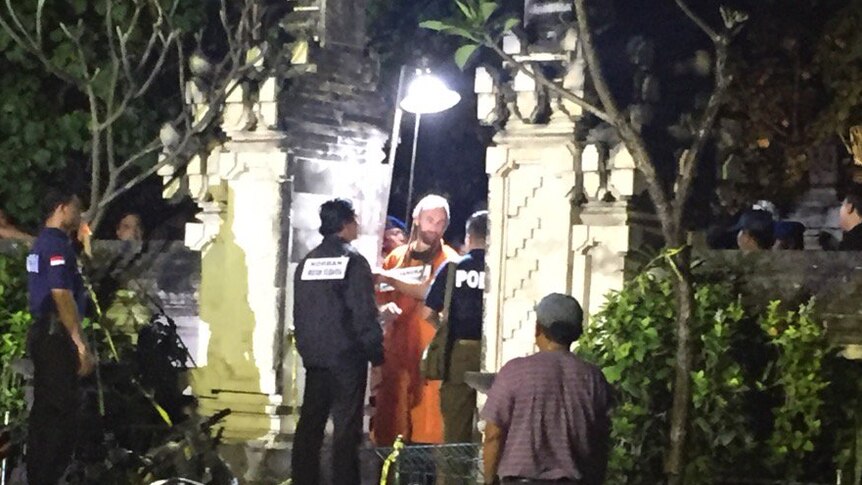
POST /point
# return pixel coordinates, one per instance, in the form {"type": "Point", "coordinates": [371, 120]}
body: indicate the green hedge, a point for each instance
{"type": "Point", "coordinates": [14, 322]}
{"type": "Point", "coordinates": [771, 398]}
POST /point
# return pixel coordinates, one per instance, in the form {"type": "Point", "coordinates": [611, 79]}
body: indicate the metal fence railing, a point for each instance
{"type": "Point", "coordinates": [450, 464]}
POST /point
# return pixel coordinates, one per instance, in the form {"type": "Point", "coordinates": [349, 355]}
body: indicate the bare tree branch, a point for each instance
{"type": "Point", "coordinates": [713, 36]}
{"type": "Point", "coordinates": [128, 74]}
{"type": "Point", "coordinates": [24, 41]}
{"type": "Point", "coordinates": [631, 138]}
{"type": "Point", "coordinates": [688, 160]}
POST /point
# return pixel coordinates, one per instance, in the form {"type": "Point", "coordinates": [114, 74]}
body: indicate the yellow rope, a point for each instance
{"type": "Point", "coordinates": [392, 458]}
{"type": "Point", "coordinates": [294, 378]}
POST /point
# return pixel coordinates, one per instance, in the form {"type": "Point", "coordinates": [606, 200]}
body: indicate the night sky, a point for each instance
{"type": "Point", "coordinates": [450, 157]}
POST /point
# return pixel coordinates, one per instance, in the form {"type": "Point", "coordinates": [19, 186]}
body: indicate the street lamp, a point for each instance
{"type": "Point", "coordinates": [426, 94]}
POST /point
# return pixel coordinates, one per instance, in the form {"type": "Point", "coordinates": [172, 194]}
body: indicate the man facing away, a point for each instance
{"type": "Point", "coordinates": [337, 335]}
{"type": "Point", "coordinates": [464, 345]}
{"type": "Point", "coordinates": [405, 403]}
{"type": "Point", "coordinates": [55, 340]}
{"type": "Point", "coordinates": [755, 231]}
{"type": "Point", "coordinates": [850, 220]}
{"type": "Point", "coordinates": [546, 417]}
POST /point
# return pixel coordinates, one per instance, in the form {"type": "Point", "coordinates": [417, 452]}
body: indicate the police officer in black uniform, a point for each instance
{"type": "Point", "coordinates": [463, 348]}
{"type": "Point", "coordinates": [337, 333]}
{"type": "Point", "coordinates": [55, 341]}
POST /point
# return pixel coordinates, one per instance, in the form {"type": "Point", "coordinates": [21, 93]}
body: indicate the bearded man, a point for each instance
{"type": "Point", "coordinates": [405, 403]}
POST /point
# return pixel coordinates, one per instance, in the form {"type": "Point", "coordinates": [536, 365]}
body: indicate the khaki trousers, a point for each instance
{"type": "Point", "coordinates": [457, 399]}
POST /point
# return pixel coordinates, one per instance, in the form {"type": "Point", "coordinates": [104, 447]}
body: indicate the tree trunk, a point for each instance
{"type": "Point", "coordinates": [684, 290]}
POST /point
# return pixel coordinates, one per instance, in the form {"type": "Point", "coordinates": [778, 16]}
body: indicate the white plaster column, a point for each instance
{"type": "Point", "coordinates": [240, 188]}
{"type": "Point", "coordinates": [562, 214]}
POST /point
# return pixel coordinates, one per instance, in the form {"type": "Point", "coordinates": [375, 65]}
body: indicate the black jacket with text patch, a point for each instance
{"type": "Point", "coordinates": [335, 318]}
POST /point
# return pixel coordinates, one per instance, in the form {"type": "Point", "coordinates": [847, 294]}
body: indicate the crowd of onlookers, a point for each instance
{"type": "Point", "coordinates": [128, 228]}
{"type": "Point", "coordinates": [759, 228]}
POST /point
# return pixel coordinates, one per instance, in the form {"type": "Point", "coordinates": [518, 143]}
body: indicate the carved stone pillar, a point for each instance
{"type": "Point", "coordinates": [243, 241]}
{"type": "Point", "coordinates": [609, 225]}
{"type": "Point", "coordinates": [311, 134]}
{"type": "Point", "coordinates": [562, 216]}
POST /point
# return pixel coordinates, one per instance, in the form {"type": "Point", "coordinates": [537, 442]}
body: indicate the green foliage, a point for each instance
{"type": "Point", "coordinates": [477, 22]}
{"type": "Point", "coordinates": [14, 323]}
{"type": "Point", "coordinates": [839, 62]}
{"type": "Point", "coordinates": [795, 70]}
{"type": "Point", "coordinates": [632, 339]}
{"type": "Point", "coordinates": [797, 372]}
{"type": "Point", "coordinates": [392, 28]}
{"type": "Point", "coordinates": [761, 385]}
{"type": "Point", "coordinates": [37, 135]}
{"type": "Point", "coordinates": [44, 113]}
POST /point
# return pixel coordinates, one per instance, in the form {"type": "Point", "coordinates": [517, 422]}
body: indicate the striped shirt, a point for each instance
{"type": "Point", "coordinates": [553, 410]}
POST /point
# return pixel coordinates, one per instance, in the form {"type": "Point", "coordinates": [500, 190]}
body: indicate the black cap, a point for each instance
{"type": "Point", "coordinates": [393, 222]}
{"type": "Point", "coordinates": [754, 221]}
{"type": "Point", "coordinates": [561, 316]}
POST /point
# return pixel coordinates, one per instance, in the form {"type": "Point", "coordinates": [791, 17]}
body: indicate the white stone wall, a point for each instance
{"type": "Point", "coordinates": [531, 215]}
{"type": "Point", "coordinates": [561, 215]}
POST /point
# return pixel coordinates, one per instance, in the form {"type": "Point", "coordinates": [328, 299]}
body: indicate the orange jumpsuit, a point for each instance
{"type": "Point", "coordinates": [405, 403]}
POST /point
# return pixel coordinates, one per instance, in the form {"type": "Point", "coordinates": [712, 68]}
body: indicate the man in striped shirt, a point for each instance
{"type": "Point", "coordinates": [546, 417]}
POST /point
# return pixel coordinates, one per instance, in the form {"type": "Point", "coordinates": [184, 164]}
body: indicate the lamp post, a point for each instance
{"type": "Point", "coordinates": [426, 94]}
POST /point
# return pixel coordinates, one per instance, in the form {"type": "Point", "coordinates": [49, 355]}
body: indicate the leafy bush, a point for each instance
{"type": "Point", "coordinates": [14, 322]}
{"type": "Point", "coordinates": [632, 339]}
{"type": "Point", "coordinates": [761, 385]}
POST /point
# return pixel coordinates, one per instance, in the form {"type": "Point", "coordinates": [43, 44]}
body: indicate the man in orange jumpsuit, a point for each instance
{"type": "Point", "coordinates": [405, 403]}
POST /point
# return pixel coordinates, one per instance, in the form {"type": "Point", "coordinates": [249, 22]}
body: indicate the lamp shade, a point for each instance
{"type": "Point", "coordinates": [428, 94]}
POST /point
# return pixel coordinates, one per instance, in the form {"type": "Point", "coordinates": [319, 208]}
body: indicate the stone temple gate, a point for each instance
{"type": "Point", "coordinates": [563, 212]}
{"type": "Point", "coordinates": [259, 193]}
{"type": "Point", "coordinates": [323, 135]}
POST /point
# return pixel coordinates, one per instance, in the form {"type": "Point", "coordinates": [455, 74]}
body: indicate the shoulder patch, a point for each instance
{"type": "Point", "coordinates": [57, 260]}
{"type": "Point", "coordinates": [33, 263]}
{"type": "Point", "coordinates": [317, 269]}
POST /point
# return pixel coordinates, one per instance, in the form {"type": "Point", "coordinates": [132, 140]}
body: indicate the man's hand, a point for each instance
{"type": "Point", "coordinates": [492, 447]}
{"type": "Point", "coordinates": [87, 364]}
{"type": "Point", "coordinates": [86, 360]}
{"type": "Point", "coordinates": [389, 312]}
{"type": "Point", "coordinates": [379, 275]}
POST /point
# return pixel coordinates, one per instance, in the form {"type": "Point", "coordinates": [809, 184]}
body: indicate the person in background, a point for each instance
{"type": "Point", "coordinates": [850, 220]}
{"type": "Point", "coordinates": [130, 228]}
{"type": "Point", "coordinates": [55, 342]}
{"type": "Point", "coordinates": [394, 235]}
{"type": "Point", "coordinates": [755, 231]}
{"type": "Point", "coordinates": [9, 231]}
{"type": "Point", "coordinates": [546, 417]}
{"type": "Point", "coordinates": [789, 235]}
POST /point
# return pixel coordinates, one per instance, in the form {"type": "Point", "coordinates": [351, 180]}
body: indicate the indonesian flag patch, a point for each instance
{"type": "Point", "coordinates": [57, 260]}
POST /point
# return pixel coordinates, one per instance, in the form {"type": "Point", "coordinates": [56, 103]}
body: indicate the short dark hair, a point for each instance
{"type": "Point", "coordinates": [790, 235]}
{"type": "Point", "coordinates": [560, 318]}
{"type": "Point", "coordinates": [764, 238]}
{"type": "Point", "coordinates": [562, 333]}
{"type": "Point", "coordinates": [758, 225]}
{"type": "Point", "coordinates": [334, 214]}
{"type": "Point", "coordinates": [55, 197]}
{"type": "Point", "coordinates": [853, 196]}
{"type": "Point", "coordinates": [477, 225]}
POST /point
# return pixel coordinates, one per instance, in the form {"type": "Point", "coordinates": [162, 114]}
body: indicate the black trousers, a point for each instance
{"type": "Point", "coordinates": [528, 481]}
{"type": "Point", "coordinates": [339, 392]}
{"type": "Point", "coordinates": [53, 421]}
